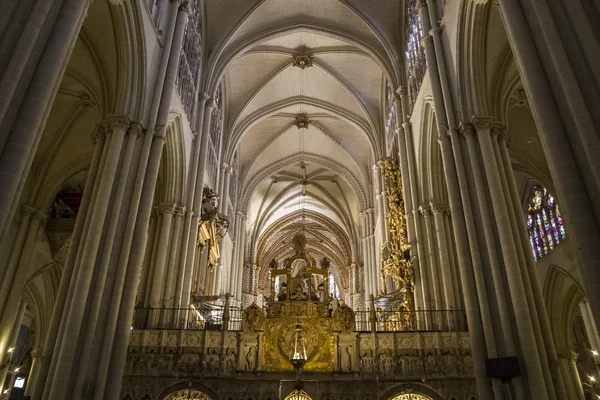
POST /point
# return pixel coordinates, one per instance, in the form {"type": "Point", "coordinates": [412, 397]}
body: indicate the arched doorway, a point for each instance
{"type": "Point", "coordinates": [298, 395]}
{"type": "Point", "coordinates": [188, 394]}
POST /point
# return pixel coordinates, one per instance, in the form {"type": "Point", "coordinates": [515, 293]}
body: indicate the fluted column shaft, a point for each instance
{"type": "Point", "coordinates": [443, 255]}
{"type": "Point", "coordinates": [560, 128]}
{"type": "Point", "coordinates": [111, 367]}
{"type": "Point", "coordinates": [167, 296]}
{"type": "Point", "coordinates": [191, 249]}
{"type": "Point", "coordinates": [482, 337]}
{"type": "Point", "coordinates": [158, 279]}
{"type": "Point", "coordinates": [531, 355]}
{"type": "Point", "coordinates": [438, 302]}
{"type": "Point", "coordinates": [30, 98]}
{"type": "Point", "coordinates": [189, 228]}
{"type": "Point", "coordinates": [541, 322]}
{"type": "Point", "coordinates": [59, 384]}
{"type": "Point", "coordinates": [64, 294]}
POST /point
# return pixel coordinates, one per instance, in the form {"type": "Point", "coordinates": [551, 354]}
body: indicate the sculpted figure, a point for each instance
{"type": "Point", "coordinates": [251, 359]}
{"type": "Point", "coordinates": [346, 359]}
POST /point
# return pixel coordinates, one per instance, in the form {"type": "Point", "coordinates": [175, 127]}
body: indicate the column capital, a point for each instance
{"type": "Point", "coordinates": [179, 211]}
{"type": "Point", "coordinates": [118, 122]}
{"type": "Point", "coordinates": [98, 133]}
{"type": "Point", "coordinates": [211, 103]}
{"type": "Point", "coordinates": [167, 209]}
{"type": "Point", "coordinates": [467, 129]}
{"type": "Point", "coordinates": [482, 122]}
{"type": "Point", "coordinates": [240, 214]}
{"type": "Point", "coordinates": [421, 3]}
{"type": "Point", "coordinates": [425, 209]}
{"type": "Point", "coordinates": [39, 214]}
{"type": "Point", "coordinates": [28, 210]}
{"type": "Point", "coordinates": [439, 207]}
{"type": "Point", "coordinates": [135, 128]}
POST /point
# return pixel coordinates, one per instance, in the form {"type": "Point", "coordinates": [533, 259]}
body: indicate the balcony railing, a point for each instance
{"type": "Point", "coordinates": [215, 318]}
{"type": "Point", "coordinates": [410, 321]}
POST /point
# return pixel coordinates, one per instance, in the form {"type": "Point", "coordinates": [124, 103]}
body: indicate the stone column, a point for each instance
{"type": "Point", "coordinates": [194, 191]}
{"type": "Point", "coordinates": [475, 293]}
{"type": "Point", "coordinates": [438, 303]}
{"type": "Point", "coordinates": [28, 87]}
{"type": "Point", "coordinates": [505, 315]}
{"type": "Point", "coordinates": [168, 300]}
{"type": "Point", "coordinates": [227, 171]}
{"type": "Point", "coordinates": [561, 121]}
{"type": "Point", "coordinates": [439, 209]}
{"type": "Point", "coordinates": [529, 270]}
{"type": "Point", "coordinates": [65, 359]}
{"type": "Point", "coordinates": [141, 296]}
{"type": "Point", "coordinates": [158, 279]}
{"type": "Point", "coordinates": [33, 372]}
{"type": "Point", "coordinates": [114, 347]}
{"type": "Point", "coordinates": [535, 371]}
{"type": "Point", "coordinates": [79, 234]}
{"type": "Point", "coordinates": [191, 249]}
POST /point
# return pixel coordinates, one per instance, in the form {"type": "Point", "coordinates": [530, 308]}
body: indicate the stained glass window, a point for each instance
{"type": "Point", "coordinates": [544, 222]}
{"type": "Point", "coordinates": [416, 63]}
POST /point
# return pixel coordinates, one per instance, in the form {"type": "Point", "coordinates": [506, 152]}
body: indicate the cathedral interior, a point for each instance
{"type": "Point", "coordinates": [299, 199]}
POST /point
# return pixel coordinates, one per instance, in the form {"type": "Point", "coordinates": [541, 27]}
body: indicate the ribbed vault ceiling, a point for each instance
{"type": "Point", "coordinates": [321, 170]}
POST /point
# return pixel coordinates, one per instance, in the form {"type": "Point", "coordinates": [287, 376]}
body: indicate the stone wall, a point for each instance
{"type": "Point", "coordinates": [228, 364]}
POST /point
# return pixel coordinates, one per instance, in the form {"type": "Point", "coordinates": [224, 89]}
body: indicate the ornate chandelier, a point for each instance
{"type": "Point", "coordinates": [298, 359]}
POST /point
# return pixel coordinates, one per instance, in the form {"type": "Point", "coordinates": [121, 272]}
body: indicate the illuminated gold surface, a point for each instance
{"type": "Point", "coordinates": [396, 263]}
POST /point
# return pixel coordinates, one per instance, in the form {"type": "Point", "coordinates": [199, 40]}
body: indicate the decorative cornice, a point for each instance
{"type": "Point", "coordinates": [302, 61]}
{"type": "Point", "coordinates": [302, 121]}
{"type": "Point", "coordinates": [118, 122]}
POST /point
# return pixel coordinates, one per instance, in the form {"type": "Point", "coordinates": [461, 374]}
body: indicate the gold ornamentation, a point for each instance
{"type": "Point", "coordinates": [396, 260]}
{"type": "Point", "coordinates": [302, 61]}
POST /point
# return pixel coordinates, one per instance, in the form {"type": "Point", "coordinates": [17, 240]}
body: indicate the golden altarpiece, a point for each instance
{"type": "Point", "coordinates": [376, 358]}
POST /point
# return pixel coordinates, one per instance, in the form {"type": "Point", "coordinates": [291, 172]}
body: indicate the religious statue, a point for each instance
{"type": "Point", "coordinates": [346, 361]}
{"type": "Point", "coordinates": [253, 318]}
{"type": "Point", "coordinates": [251, 359]}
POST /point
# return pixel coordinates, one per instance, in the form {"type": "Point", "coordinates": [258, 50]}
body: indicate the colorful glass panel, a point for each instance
{"type": "Point", "coordinates": [544, 222]}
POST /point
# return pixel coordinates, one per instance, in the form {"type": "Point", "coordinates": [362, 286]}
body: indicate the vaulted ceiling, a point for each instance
{"type": "Point", "coordinates": [306, 136]}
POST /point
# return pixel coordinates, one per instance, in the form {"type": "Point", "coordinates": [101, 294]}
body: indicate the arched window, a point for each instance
{"type": "Point", "coordinates": [190, 59]}
{"type": "Point", "coordinates": [416, 64]}
{"type": "Point", "coordinates": [544, 222]}
{"type": "Point", "coordinates": [334, 290]}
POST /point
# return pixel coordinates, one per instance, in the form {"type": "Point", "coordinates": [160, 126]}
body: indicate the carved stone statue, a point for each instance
{"type": "Point", "coordinates": [346, 359]}
{"type": "Point", "coordinates": [343, 319]}
{"type": "Point", "coordinates": [250, 362]}
{"type": "Point", "coordinates": [253, 318]}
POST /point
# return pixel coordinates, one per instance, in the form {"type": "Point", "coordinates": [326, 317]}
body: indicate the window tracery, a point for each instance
{"type": "Point", "coordinates": [190, 59]}
{"type": "Point", "coordinates": [544, 222]}
{"type": "Point", "coordinates": [416, 64]}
